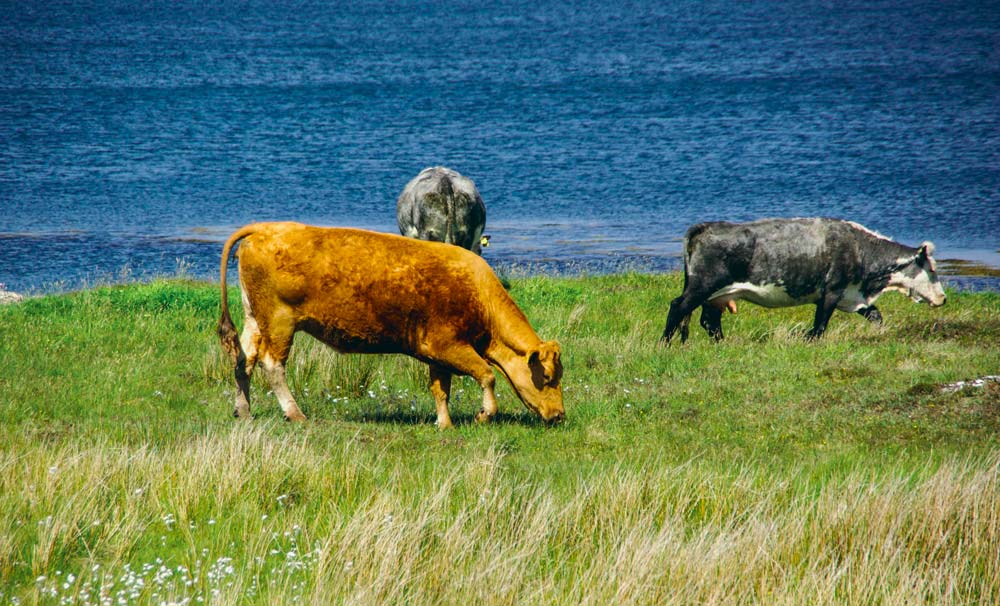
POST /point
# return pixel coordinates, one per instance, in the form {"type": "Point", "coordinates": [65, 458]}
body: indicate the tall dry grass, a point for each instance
{"type": "Point", "coordinates": [248, 517]}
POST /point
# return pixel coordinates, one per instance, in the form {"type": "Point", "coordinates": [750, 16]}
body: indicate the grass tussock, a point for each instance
{"type": "Point", "coordinates": [761, 470]}
{"type": "Point", "coordinates": [248, 516]}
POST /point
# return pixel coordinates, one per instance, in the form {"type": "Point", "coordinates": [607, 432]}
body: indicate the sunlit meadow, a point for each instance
{"type": "Point", "coordinates": [761, 470]}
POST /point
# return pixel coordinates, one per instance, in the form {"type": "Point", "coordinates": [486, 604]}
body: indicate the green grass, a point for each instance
{"type": "Point", "coordinates": [763, 469]}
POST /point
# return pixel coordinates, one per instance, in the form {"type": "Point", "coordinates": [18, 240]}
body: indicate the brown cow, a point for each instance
{"type": "Point", "coordinates": [367, 292]}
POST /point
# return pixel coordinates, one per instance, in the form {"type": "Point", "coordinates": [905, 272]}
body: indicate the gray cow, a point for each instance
{"type": "Point", "coordinates": [441, 205]}
{"type": "Point", "coordinates": [785, 262]}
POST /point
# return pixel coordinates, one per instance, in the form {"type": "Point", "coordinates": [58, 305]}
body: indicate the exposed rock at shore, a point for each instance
{"type": "Point", "coordinates": [975, 383]}
{"type": "Point", "coordinates": [7, 296]}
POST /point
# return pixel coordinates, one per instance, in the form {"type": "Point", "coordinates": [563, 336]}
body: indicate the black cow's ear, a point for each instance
{"type": "Point", "coordinates": [924, 255]}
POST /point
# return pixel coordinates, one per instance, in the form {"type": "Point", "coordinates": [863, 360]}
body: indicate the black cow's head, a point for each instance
{"type": "Point", "coordinates": [917, 277]}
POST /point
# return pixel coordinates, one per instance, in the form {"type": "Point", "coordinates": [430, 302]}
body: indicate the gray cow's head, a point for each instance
{"type": "Point", "coordinates": [918, 279]}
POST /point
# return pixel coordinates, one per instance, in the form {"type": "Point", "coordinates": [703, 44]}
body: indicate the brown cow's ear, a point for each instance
{"type": "Point", "coordinates": [549, 351]}
{"type": "Point", "coordinates": [542, 358]}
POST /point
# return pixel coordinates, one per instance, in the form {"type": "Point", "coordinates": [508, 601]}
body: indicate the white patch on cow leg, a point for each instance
{"type": "Point", "coordinates": [275, 373]}
{"type": "Point", "coordinates": [488, 382]}
{"type": "Point", "coordinates": [250, 339]}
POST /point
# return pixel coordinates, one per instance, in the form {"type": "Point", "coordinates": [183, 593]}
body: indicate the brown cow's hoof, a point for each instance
{"type": "Point", "coordinates": [295, 417]}
{"type": "Point", "coordinates": [483, 417]}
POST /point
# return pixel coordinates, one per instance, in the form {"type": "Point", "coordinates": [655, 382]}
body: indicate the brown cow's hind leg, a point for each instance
{"type": "Point", "coordinates": [242, 407]}
{"type": "Point", "coordinates": [249, 341]}
{"type": "Point", "coordinates": [275, 373]}
{"type": "Point", "coordinates": [273, 357]}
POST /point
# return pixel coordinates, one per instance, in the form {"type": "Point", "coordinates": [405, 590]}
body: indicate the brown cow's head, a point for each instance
{"type": "Point", "coordinates": [538, 381]}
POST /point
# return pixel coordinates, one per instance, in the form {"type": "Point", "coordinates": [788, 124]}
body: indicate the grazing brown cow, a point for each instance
{"type": "Point", "coordinates": [367, 292]}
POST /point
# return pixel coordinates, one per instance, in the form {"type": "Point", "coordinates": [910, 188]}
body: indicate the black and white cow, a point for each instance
{"type": "Point", "coordinates": [441, 205]}
{"type": "Point", "coordinates": [784, 262]}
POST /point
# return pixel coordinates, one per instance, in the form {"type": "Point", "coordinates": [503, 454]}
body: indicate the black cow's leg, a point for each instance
{"type": "Point", "coordinates": [871, 313]}
{"type": "Point", "coordinates": [824, 309]}
{"type": "Point", "coordinates": [680, 308]}
{"type": "Point", "coordinates": [711, 321]}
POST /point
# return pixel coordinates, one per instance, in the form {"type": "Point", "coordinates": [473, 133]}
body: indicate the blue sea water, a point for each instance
{"type": "Point", "coordinates": [134, 136]}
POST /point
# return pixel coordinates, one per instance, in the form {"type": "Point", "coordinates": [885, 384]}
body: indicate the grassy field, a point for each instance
{"type": "Point", "coordinates": [761, 470]}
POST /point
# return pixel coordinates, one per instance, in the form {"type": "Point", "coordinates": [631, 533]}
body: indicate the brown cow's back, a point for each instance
{"type": "Point", "coordinates": [362, 291]}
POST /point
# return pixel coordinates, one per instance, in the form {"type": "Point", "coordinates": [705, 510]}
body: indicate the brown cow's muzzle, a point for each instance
{"type": "Point", "coordinates": [557, 418]}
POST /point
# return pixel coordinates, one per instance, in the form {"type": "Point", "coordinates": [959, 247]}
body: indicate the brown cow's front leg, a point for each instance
{"type": "Point", "coordinates": [487, 382]}
{"type": "Point", "coordinates": [467, 361]}
{"type": "Point", "coordinates": [441, 389]}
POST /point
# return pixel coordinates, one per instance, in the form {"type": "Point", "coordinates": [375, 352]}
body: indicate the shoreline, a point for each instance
{"type": "Point", "coordinates": [956, 274]}
{"type": "Point", "coordinates": [49, 263]}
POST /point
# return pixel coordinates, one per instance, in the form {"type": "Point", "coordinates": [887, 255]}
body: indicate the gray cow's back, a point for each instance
{"type": "Point", "coordinates": [779, 243]}
{"type": "Point", "coordinates": [441, 205]}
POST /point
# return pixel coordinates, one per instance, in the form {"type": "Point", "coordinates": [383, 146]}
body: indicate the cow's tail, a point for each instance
{"type": "Point", "coordinates": [448, 193]}
{"type": "Point", "coordinates": [228, 337]}
{"type": "Point", "coordinates": [691, 241]}
{"type": "Point", "coordinates": [686, 255]}
{"type": "Point", "coordinates": [687, 249]}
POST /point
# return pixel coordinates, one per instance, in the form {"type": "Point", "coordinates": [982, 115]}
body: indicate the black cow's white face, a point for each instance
{"type": "Point", "coordinates": [919, 280]}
